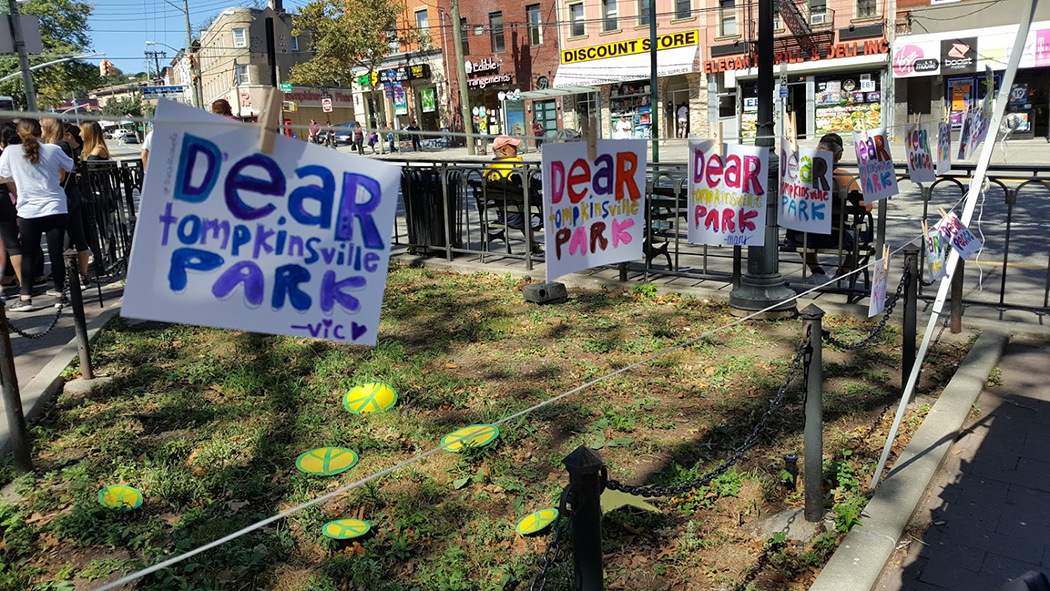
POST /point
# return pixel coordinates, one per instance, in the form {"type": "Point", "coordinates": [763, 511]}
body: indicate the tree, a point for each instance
{"type": "Point", "coordinates": [344, 34]}
{"type": "Point", "coordinates": [127, 106]}
{"type": "Point", "coordinates": [63, 30]}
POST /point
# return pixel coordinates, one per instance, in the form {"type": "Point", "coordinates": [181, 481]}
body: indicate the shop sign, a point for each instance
{"type": "Point", "coordinates": [486, 64]}
{"type": "Point", "coordinates": [307, 96]}
{"type": "Point", "coordinates": [428, 99]}
{"type": "Point", "coordinates": [399, 74]}
{"type": "Point", "coordinates": [631, 47]}
{"type": "Point", "coordinates": [916, 59]}
{"type": "Point", "coordinates": [959, 56]}
{"type": "Point", "coordinates": [798, 56]}
{"type": "Point", "coordinates": [483, 81]}
{"type": "Point", "coordinates": [400, 100]}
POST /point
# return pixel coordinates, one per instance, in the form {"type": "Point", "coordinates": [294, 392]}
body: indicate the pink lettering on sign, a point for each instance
{"type": "Point", "coordinates": [1042, 48]}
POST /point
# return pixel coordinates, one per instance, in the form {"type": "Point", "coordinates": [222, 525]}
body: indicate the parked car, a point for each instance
{"type": "Point", "coordinates": [343, 133]}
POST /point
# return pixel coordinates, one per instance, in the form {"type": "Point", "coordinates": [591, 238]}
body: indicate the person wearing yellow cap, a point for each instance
{"type": "Point", "coordinates": [506, 163]}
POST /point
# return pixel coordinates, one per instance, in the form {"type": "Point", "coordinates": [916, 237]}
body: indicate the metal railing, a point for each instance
{"type": "Point", "coordinates": [109, 189]}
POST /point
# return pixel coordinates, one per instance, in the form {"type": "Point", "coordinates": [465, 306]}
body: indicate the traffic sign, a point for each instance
{"type": "Point", "coordinates": [285, 87]}
{"type": "Point", "coordinates": [326, 104]}
{"type": "Point", "coordinates": [783, 92]}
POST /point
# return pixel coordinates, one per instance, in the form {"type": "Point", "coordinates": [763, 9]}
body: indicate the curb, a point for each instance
{"type": "Point", "coordinates": [42, 389]}
{"type": "Point", "coordinates": [859, 560]}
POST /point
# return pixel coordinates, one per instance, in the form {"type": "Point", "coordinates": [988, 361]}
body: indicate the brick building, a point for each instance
{"type": "Point", "coordinates": [510, 49]}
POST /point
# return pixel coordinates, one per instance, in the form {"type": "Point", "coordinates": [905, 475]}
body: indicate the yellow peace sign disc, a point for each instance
{"type": "Point", "coordinates": [472, 436]}
{"type": "Point", "coordinates": [370, 398]}
{"type": "Point", "coordinates": [326, 461]}
{"type": "Point", "coordinates": [537, 521]}
{"type": "Point", "coordinates": [345, 529]}
{"type": "Point", "coordinates": [118, 496]}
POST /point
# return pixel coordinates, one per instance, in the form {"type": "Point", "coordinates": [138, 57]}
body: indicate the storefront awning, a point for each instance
{"type": "Point", "coordinates": [669, 62]}
{"type": "Point", "coordinates": [556, 92]}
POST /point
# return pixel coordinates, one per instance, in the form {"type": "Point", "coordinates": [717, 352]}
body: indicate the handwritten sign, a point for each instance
{"type": "Point", "coordinates": [965, 136]}
{"type": "Point", "coordinates": [959, 236]}
{"type": "Point", "coordinates": [944, 148]}
{"type": "Point", "coordinates": [920, 158]}
{"type": "Point", "coordinates": [595, 210]}
{"type": "Point", "coordinates": [877, 298]}
{"type": "Point", "coordinates": [936, 255]}
{"type": "Point", "coordinates": [877, 178]}
{"type": "Point", "coordinates": [727, 194]}
{"type": "Point", "coordinates": [806, 189]}
{"type": "Point", "coordinates": [295, 242]}
{"type": "Point", "coordinates": [982, 115]}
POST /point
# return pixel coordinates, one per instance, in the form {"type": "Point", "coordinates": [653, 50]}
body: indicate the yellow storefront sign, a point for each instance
{"type": "Point", "coordinates": [631, 47]}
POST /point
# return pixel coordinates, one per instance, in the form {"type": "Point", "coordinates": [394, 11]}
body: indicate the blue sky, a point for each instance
{"type": "Point", "coordinates": [120, 28]}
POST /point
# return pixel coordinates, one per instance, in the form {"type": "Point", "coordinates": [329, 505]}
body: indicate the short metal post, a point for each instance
{"type": "Point", "coordinates": [911, 295]}
{"type": "Point", "coordinates": [814, 435]}
{"type": "Point", "coordinates": [16, 421]}
{"type": "Point", "coordinates": [955, 325]}
{"type": "Point", "coordinates": [76, 301]}
{"type": "Point", "coordinates": [586, 472]}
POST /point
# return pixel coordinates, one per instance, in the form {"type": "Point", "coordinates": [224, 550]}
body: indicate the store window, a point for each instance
{"type": "Point", "coordinates": [578, 26]}
{"type": "Point", "coordinates": [847, 102]}
{"type": "Point", "coordinates": [610, 22]}
{"type": "Point", "coordinates": [683, 8]}
{"type": "Point", "coordinates": [630, 109]}
{"type": "Point", "coordinates": [867, 8]}
{"type": "Point", "coordinates": [496, 31]}
{"type": "Point", "coordinates": [240, 38]}
{"type": "Point", "coordinates": [643, 12]}
{"type": "Point", "coordinates": [727, 14]}
{"type": "Point", "coordinates": [242, 74]}
{"type": "Point", "coordinates": [464, 35]}
{"type": "Point", "coordinates": [535, 19]}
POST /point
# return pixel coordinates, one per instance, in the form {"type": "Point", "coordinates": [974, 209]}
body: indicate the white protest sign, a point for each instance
{"type": "Point", "coordinates": [920, 159]}
{"type": "Point", "coordinates": [959, 236]}
{"type": "Point", "coordinates": [876, 175]}
{"type": "Point", "coordinates": [944, 148]}
{"type": "Point", "coordinates": [965, 135]}
{"type": "Point", "coordinates": [595, 210]}
{"type": "Point", "coordinates": [727, 194]}
{"type": "Point", "coordinates": [806, 189]}
{"type": "Point", "coordinates": [937, 250]}
{"type": "Point", "coordinates": [981, 114]}
{"type": "Point", "coordinates": [295, 242]}
{"type": "Point", "coordinates": [877, 299]}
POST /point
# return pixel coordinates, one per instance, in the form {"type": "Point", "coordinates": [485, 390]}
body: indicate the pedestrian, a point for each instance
{"type": "Point", "coordinates": [94, 144]}
{"type": "Point", "coordinates": [8, 216]}
{"type": "Point", "coordinates": [222, 107]}
{"type": "Point", "coordinates": [683, 120]}
{"type": "Point", "coordinates": [373, 140]}
{"type": "Point", "coordinates": [538, 132]}
{"type": "Point", "coordinates": [416, 144]}
{"type": "Point", "coordinates": [391, 139]}
{"type": "Point", "coordinates": [54, 132]}
{"type": "Point", "coordinates": [147, 145]}
{"type": "Point", "coordinates": [36, 173]}
{"type": "Point", "coordinates": [315, 128]}
{"type": "Point", "coordinates": [359, 139]}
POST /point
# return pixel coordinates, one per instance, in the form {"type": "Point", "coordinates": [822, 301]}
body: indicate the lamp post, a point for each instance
{"type": "Point", "coordinates": [762, 286]}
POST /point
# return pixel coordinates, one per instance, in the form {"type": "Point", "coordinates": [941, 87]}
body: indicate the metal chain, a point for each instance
{"type": "Point", "coordinates": [540, 581]}
{"type": "Point", "coordinates": [733, 458]}
{"type": "Point", "coordinates": [878, 329]}
{"type": "Point", "coordinates": [926, 283]}
{"type": "Point", "coordinates": [39, 335]}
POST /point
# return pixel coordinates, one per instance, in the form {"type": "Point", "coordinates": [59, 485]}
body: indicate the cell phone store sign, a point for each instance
{"type": "Point", "coordinates": [295, 242]}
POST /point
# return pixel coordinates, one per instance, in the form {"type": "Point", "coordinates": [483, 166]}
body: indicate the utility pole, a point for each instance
{"type": "Point", "coordinates": [654, 113]}
{"type": "Point", "coordinates": [156, 55]}
{"type": "Point", "coordinates": [763, 286]}
{"type": "Point", "coordinates": [461, 75]}
{"type": "Point", "coordinates": [189, 49]}
{"type": "Point", "coordinates": [23, 61]}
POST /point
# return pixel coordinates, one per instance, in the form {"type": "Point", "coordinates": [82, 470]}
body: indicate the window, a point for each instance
{"type": "Point", "coordinates": [727, 8]}
{"type": "Point", "coordinates": [496, 31]}
{"type": "Point", "coordinates": [643, 12]}
{"type": "Point", "coordinates": [240, 38]}
{"type": "Point", "coordinates": [867, 8]}
{"type": "Point", "coordinates": [295, 44]}
{"type": "Point", "coordinates": [535, 19]}
{"type": "Point", "coordinates": [422, 21]}
{"type": "Point", "coordinates": [683, 8]}
{"type": "Point", "coordinates": [242, 74]}
{"type": "Point", "coordinates": [577, 27]}
{"type": "Point", "coordinates": [464, 34]}
{"type": "Point", "coordinates": [817, 7]}
{"type": "Point", "coordinates": [391, 41]}
{"type": "Point", "coordinates": [609, 20]}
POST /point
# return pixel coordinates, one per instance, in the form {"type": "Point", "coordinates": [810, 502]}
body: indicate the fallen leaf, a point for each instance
{"type": "Point", "coordinates": [48, 540]}
{"type": "Point", "coordinates": [169, 518]}
{"type": "Point", "coordinates": [236, 506]}
{"type": "Point", "coordinates": [452, 365]}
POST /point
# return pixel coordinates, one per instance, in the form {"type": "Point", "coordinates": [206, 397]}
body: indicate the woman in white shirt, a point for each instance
{"type": "Point", "coordinates": [36, 172]}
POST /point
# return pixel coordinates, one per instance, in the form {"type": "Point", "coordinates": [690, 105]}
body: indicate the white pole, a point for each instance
{"type": "Point", "coordinates": [976, 188]}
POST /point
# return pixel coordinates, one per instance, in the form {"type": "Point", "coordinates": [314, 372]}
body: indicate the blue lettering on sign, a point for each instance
{"type": "Point", "coordinates": [192, 148]}
{"type": "Point", "coordinates": [236, 182]}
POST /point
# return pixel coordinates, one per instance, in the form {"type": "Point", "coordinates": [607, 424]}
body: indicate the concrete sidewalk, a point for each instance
{"type": "Point", "coordinates": [985, 520]}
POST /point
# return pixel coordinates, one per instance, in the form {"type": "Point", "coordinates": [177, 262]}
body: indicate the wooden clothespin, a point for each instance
{"type": "Point", "coordinates": [947, 112]}
{"type": "Point", "coordinates": [864, 129]}
{"type": "Point", "coordinates": [918, 121]}
{"type": "Point", "coordinates": [886, 256]}
{"type": "Point", "coordinates": [269, 120]}
{"type": "Point", "coordinates": [925, 231]}
{"type": "Point", "coordinates": [718, 138]}
{"type": "Point", "coordinates": [590, 131]}
{"type": "Point", "coordinates": [989, 82]}
{"type": "Point", "coordinates": [791, 130]}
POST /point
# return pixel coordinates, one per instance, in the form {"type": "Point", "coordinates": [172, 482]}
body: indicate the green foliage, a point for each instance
{"type": "Point", "coordinates": [645, 290]}
{"type": "Point", "coordinates": [344, 34]}
{"type": "Point", "coordinates": [849, 499]}
{"type": "Point", "coordinates": [129, 105]}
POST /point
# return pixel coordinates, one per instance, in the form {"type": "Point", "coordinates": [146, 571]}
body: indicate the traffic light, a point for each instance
{"type": "Point", "coordinates": [289, 107]}
{"type": "Point", "coordinates": [193, 61]}
{"type": "Point", "coordinates": [105, 68]}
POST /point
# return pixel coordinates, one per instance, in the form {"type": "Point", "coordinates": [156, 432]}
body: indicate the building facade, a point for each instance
{"type": "Point", "coordinates": [943, 52]}
{"type": "Point", "coordinates": [605, 61]}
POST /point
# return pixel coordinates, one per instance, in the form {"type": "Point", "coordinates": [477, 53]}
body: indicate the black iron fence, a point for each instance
{"type": "Point", "coordinates": [456, 208]}
{"type": "Point", "coordinates": [109, 189]}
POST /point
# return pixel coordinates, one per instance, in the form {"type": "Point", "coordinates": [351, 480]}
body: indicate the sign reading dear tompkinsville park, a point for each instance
{"type": "Point", "coordinates": [295, 242]}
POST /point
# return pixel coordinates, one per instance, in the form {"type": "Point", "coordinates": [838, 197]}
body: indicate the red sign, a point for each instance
{"type": "Point", "coordinates": [798, 55]}
{"type": "Point", "coordinates": [326, 105]}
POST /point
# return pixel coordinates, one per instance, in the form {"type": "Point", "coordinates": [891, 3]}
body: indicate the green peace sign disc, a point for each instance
{"type": "Point", "coordinates": [326, 461]}
{"type": "Point", "coordinates": [470, 436]}
{"type": "Point", "coordinates": [536, 522]}
{"type": "Point", "coordinates": [370, 398]}
{"type": "Point", "coordinates": [119, 496]}
{"type": "Point", "coordinates": [345, 529]}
